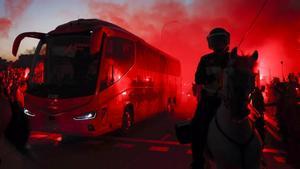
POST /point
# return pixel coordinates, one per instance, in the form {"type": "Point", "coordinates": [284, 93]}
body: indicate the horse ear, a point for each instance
{"type": "Point", "coordinates": [255, 55]}
{"type": "Point", "coordinates": [233, 53]}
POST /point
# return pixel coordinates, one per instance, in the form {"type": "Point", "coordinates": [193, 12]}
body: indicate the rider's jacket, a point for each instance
{"type": "Point", "coordinates": [210, 71]}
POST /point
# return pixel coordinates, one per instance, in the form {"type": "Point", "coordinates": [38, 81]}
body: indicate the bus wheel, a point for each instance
{"type": "Point", "coordinates": [127, 121]}
{"type": "Point", "coordinates": [170, 108]}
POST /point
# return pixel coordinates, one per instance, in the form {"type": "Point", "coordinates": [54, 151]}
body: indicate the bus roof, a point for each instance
{"type": "Point", "coordinates": [83, 25]}
{"type": "Point", "coordinates": [86, 25]}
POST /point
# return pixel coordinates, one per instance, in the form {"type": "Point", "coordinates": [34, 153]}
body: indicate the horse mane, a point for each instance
{"type": "Point", "coordinates": [245, 63]}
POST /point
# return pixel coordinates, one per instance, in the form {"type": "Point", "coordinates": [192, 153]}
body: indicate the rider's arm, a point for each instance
{"type": "Point", "coordinates": [200, 72]}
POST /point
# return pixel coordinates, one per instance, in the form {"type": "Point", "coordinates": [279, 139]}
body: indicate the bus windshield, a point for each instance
{"type": "Point", "coordinates": [63, 67]}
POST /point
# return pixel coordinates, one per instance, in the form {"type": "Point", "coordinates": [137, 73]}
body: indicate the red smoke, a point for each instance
{"type": "Point", "coordinates": [5, 25]}
{"type": "Point", "coordinates": [181, 28]}
{"type": "Point", "coordinates": [13, 10]}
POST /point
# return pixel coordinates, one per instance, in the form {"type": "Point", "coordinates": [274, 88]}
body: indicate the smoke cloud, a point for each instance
{"type": "Point", "coordinates": [5, 25]}
{"type": "Point", "coordinates": [180, 28]}
{"type": "Point", "coordinates": [13, 10]}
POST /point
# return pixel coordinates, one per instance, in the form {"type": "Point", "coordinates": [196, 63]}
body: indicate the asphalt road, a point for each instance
{"type": "Point", "coordinates": [150, 144]}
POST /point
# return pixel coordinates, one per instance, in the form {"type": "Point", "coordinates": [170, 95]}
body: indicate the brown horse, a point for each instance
{"type": "Point", "coordinates": [232, 139]}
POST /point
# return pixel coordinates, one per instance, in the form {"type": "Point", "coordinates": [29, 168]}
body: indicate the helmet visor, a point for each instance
{"type": "Point", "coordinates": [218, 42]}
{"type": "Point", "coordinates": [218, 39]}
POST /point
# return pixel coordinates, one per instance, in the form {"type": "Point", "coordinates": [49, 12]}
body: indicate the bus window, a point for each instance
{"type": "Point", "coordinates": [39, 66]}
{"type": "Point", "coordinates": [64, 66]}
{"type": "Point", "coordinates": [106, 78]}
{"type": "Point", "coordinates": [117, 60]}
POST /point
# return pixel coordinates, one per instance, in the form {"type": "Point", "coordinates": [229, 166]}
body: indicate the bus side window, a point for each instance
{"type": "Point", "coordinates": [39, 66]}
{"type": "Point", "coordinates": [117, 60]}
{"type": "Point", "coordinates": [105, 74]}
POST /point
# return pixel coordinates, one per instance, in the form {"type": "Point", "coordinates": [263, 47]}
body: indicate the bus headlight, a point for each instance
{"type": "Point", "coordinates": [28, 113]}
{"type": "Point", "coordinates": [86, 116]}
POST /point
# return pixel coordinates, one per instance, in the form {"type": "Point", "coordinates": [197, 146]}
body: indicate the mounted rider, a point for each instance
{"type": "Point", "coordinates": [208, 77]}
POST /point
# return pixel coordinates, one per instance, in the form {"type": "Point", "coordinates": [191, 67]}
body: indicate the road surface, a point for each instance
{"type": "Point", "coordinates": [150, 144]}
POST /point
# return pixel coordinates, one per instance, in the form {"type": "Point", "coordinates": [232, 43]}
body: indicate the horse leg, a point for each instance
{"type": "Point", "coordinates": [226, 154]}
{"type": "Point", "coordinates": [253, 154]}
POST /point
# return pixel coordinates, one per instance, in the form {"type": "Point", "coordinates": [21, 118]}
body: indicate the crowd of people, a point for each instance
{"type": "Point", "coordinates": [284, 95]}
{"type": "Point", "coordinates": [13, 84]}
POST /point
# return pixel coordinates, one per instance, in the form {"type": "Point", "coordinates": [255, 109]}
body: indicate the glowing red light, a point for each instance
{"type": "Point", "coordinates": [159, 148]}
{"type": "Point", "coordinates": [124, 93]}
{"type": "Point", "coordinates": [59, 139]}
{"type": "Point", "coordinates": [26, 73]}
{"type": "Point", "coordinates": [261, 77]}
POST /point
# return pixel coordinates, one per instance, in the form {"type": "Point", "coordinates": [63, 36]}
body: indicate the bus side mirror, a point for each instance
{"type": "Point", "coordinates": [19, 38]}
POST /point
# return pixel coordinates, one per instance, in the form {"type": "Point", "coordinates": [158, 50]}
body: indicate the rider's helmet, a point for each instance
{"type": "Point", "coordinates": [218, 39]}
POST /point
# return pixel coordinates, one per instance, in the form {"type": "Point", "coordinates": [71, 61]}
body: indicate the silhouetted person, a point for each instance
{"type": "Point", "coordinates": [292, 86]}
{"type": "Point", "coordinates": [291, 110]}
{"type": "Point", "coordinates": [280, 90]}
{"type": "Point", "coordinates": [208, 76]}
{"type": "Point", "coordinates": [17, 131]}
{"type": "Point", "coordinates": [258, 103]}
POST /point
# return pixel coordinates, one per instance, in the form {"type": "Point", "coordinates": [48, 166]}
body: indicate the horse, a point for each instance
{"type": "Point", "coordinates": [232, 139]}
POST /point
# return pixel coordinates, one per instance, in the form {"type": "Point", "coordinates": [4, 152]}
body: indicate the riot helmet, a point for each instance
{"type": "Point", "coordinates": [218, 40]}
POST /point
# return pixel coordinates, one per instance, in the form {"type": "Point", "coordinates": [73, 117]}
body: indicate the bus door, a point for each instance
{"type": "Point", "coordinates": [117, 59]}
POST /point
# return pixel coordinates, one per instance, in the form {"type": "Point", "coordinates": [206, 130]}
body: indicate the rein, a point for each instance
{"type": "Point", "coordinates": [226, 97]}
{"type": "Point", "coordinates": [231, 139]}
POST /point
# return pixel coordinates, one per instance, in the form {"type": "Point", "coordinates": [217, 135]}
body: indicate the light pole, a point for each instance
{"type": "Point", "coordinates": [283, 79]}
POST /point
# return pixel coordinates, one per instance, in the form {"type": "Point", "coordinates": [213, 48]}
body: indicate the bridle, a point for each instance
{"type": "Point", "coordinates": [227, 94]}
{"type": "Point", "coordinates": [226, 98]}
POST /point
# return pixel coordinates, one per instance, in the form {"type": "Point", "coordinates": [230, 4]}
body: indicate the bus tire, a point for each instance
{"type": "Point", "coordinates": [170, 106]}
{"type": "Point", "coordinates": [128, 120]}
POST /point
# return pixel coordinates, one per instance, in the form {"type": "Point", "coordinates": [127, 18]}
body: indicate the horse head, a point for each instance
{"type": "Point", "coordinates": [239, 82]}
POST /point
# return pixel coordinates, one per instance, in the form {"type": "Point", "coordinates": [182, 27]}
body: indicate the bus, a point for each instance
{"type": "Point", "coordinates": [89, 77]}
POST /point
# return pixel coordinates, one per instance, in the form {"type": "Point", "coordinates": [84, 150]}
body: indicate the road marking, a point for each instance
{"type": "Point", "coordinates": [271, 121]}
{"type": "Point", "coordinates": [280, 159]}
{"type": "Point", "coordinates": [124, 145]}
{"type": "Point", "coordinates": [275, 135]}
{"type": "Point", "coordinates": [55, 137]}
{"type": "Point", "coordinates": [189, 152]}
{"type": "Point", "coordinates": [137, 140]}
{"type": "Point", "coordinates": [273, 151]}
{"type": "Point", "coordinates": [165, 137]}
{"type": "Point", "coordinates": [38, 136]}
{"type": "Point", "coordinates": [159, 148]}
